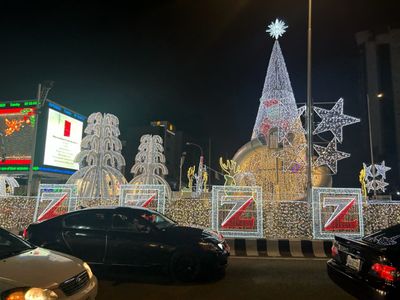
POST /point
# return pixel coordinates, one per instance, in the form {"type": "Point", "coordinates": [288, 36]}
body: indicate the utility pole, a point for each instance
{"type": "Point", "coordinates": [309, 107]}
{"type": "Point", "coordinates": [371, 146]}
{"type": "Point", "coordinates": [182, 161]}
{"type": "Point", "coordinates": [41, 97]}
{"type": "Point", "coordinates": [209, 159]}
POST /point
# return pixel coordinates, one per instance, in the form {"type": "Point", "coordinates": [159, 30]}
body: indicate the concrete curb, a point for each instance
{"type": "Point", "coordinates": [280, 248]}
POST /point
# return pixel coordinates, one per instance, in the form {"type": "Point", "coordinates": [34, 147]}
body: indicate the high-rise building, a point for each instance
{"type": "Point", "coordinates": [380, 87]}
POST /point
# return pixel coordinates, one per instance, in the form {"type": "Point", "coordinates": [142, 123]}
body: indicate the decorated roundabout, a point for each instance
{"type": "Point", "coordinates": [265, 194]}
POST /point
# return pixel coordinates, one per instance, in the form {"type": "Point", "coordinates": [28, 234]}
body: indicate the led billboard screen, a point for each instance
{"type": "Point", "coordinates": [17, 125]}
{"type": "Point", "coordinates": [63, 140]}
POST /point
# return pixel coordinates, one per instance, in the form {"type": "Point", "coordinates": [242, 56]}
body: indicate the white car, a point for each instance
{"type": "Point", "coordinates": [28, 272]}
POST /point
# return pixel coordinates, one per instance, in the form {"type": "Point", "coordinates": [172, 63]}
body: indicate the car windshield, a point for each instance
{"type": "Point", "coordinates": [158, 220]}
{"type": "Point", "coordinates": [386, 237]}
{"type": "Point", "coordinates": [11, 245]}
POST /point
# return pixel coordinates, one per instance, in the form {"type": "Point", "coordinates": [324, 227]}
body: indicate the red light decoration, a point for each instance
{"type": "Point", "coordinates": [147, 203]}
{"type": "Point", "coordinates": [55, 210]}
{"type": "Point", "coordinates": [15, 125]}
{"type": "Point", "coordinates": [337, 221]}
{"type": "Point", "coordinates": [235, 220]}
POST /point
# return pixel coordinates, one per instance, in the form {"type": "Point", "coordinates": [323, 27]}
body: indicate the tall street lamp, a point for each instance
{"type": "Point", "coordinates": [371, 148]}
{"type": "Point", "coordinates": [42, 94]}
{"type": "Point", "coordinates": [180, 169]}
{"type": "Point", "coordinates": [309, 107]}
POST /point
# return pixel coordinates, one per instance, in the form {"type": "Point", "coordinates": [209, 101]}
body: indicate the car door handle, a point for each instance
{"type": "Point", "coordinates": [71, 233]}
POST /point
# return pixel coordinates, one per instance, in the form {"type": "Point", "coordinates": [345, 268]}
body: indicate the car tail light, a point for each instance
{"type": "Point", "coordinates": [385, 272]}
{"type": "Point", "coordinates": [334, 250]}
{"type": "Point", "coordinates": [25, 233]}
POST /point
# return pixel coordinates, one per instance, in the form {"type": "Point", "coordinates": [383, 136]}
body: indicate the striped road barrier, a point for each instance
{"type": "Point", "coordinates": [280, 248]}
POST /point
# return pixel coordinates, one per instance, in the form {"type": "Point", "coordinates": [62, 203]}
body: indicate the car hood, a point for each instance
{"type": "Point", "coordinates": [189, 232]}
{"type": "Point", "coordinates": [38, 268]}
{"type": "Point", "coordinates": [184, 231]}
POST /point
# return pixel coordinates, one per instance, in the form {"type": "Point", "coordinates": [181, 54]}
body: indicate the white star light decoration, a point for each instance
{"type": "Point", "coordinates": [371, 180]}
{"type": "Point", "coordinates": [276, 29]}
{"type": "Point", "coordinates": [376, 185]}
{"type": "Point", "coordinates": [334, 120]}
{"type": "Point", "coordinates": [381, 169]}
{"type": "Point", "coordinates": [368, 171]}
{"type": "Point", "coordinates": [329, 155]}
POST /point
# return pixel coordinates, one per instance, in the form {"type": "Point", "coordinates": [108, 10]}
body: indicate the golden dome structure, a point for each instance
{"type": "Point", "coordinates": [260, 160]}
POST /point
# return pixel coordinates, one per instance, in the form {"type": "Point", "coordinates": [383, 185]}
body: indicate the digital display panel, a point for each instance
{"type": "Point", "coordinates": [63, 140]}
{"type": "Point", "coordinates": [17, 125]}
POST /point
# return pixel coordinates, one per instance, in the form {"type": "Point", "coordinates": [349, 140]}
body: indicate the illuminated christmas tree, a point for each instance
{"type": "Point", "coordinates": [100, 159]}
{"type": "Point", "coordinates": [277, 111]}
{"type": "Point", "coordinates": [276, 154]}
{"type": "Point", "coordinates": [149, 167]}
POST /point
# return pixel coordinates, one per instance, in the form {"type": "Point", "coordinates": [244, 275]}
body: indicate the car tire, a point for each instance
{"type": "Point", "coordinates": [184, 266]}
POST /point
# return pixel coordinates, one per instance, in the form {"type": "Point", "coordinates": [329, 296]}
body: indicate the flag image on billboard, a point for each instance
{"type": "Point", "coordinates": [63, 140]}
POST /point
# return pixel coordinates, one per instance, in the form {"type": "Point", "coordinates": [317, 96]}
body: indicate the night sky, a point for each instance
{"type": "Point", "coordinates": [199, 64]}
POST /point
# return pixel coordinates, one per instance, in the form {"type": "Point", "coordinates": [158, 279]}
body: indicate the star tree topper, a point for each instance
{"type": "Point", "coordinates": [334, 120]}
{"type": "Point", "coordinates": [329, 155]}
{"type": "Point", "coordinates": [276, 29]}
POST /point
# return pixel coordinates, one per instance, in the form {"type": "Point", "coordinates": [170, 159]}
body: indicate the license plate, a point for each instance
{"type": "Point", "coordinates": [353, 263]}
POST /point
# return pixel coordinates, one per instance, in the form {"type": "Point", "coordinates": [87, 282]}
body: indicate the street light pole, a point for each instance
{"type": "Point", "coordinates": [370, 145]}
{"type": "Point", "coordinates": [42, 93]}
{"type": "Point", "coordinates": [309, 106]}
{"type": "Point", "coordinates": [180, 169]}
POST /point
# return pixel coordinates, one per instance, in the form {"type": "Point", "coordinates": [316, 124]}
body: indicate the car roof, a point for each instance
{"type": "Point", "coordinates": [138, 208]}
{"type": "Point", "coordinates": [94, 208]}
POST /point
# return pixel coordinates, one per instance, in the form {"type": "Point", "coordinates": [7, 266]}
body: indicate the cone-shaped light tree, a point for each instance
{"type": "Point", "coordinates": [149, 167]}
{"type": "Point", "coordinates": [277, 111]}
{"type": "Point", "coordinates": [100, 159]}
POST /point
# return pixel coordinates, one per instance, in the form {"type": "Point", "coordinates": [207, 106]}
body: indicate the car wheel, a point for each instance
{"type": "Point", "coordinates": [184, 266]}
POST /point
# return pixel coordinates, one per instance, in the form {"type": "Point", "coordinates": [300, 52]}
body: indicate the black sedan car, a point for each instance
{"type": "Point", "coordinates": [138, 237]}
{"type": "Point", "coordinates": [368, 268]}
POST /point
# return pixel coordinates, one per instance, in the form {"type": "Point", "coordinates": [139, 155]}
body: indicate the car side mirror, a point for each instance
{"type": "Point", "coordinates": [145, 229]}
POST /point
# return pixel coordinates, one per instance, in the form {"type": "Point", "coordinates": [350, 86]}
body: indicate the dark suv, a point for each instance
{"type": "Point", "coordinates": [125, 236]}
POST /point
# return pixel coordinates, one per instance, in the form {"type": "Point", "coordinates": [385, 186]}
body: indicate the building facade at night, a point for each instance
{"type": "Point", "coordinates": [380, 85]}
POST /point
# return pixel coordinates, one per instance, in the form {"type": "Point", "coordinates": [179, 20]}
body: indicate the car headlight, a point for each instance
{"type": "Point", "coordinates": [208, 246]}
{"type": "Point", "coordinates": [30, 294]}
{"type": "Point", "coordinates": [88, 270]}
